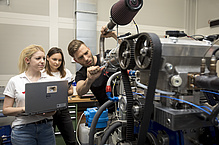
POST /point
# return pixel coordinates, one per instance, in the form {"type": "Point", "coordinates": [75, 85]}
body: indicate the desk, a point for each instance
{"type": "Point", "coordinates": [82, 104]}
{"type": "Point", "coordinates": [77, 99]}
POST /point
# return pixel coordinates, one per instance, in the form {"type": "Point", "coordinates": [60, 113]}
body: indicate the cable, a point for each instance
{"type": "Point", "coordinates": [139, 94]}
{"type": "Point", "coordinates": [136, 26]}
{"type": "Point", "coordinates": [193, 36]}
{"type": "Point", "coordinates": [77, 129]}
{"type": "Point", "coordinates": [186, 103]}
{"type": "Point", "coordinates": [156, 90]}
{"type": "Point", "coordinates": [175, 99]}
{"type": "Point", "coordinates": [117, 34]}
{"type": "Point", "coordinates": [206, 107]}
{"type": "Point", "coordinates": [209, 92]}
{"type": "Point", "coordinates": [183, 102]}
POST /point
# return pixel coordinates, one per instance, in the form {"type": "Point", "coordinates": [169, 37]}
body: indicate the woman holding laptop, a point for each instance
{"type": "Point", "coordinates": [34, 129]}
{"type": "Point", "coordinates": [55, 67]}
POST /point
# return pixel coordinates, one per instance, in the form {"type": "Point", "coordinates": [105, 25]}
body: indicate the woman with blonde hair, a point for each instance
{"type": "Point", "coordinates": [33, 129]}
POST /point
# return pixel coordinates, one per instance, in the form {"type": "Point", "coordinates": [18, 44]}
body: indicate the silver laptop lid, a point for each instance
{"type": "Point", "coordinates": [42, 97]}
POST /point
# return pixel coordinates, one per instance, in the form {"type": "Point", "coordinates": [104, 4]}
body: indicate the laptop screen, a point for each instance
{"type": "Point", "coordinates": [42, 97]}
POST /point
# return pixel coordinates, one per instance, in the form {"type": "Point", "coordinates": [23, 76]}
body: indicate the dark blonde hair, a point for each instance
{"type": "Point", "coordinates": [61, 69]}
{"type": "Point", "coordinates": [27, 53]}
{"type": "Point", "coordinates": [73, 46]}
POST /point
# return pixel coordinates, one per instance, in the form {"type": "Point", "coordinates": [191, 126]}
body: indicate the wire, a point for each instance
{"type": "Point", "coordinates": [174, 98]}
{"type": "Point", "coordinates": [199, 107]}
{"type": "Point", "coordinates": [206, 107]}
{"type": "Point", "coordinates": [136, 26]}
{"type": "Point", "coordinates": [193, 36]}
{"type": "Point", "coordinates": [138, 94]}
{"type": "Point", "coordinates": [77, 129]}
{"type": "Point", "coordinates": [117, 33]}
{"type": "Point", "coordinates": [186, 103]}
{"type": "Point", "coordinates": [209, 92]}
{"type": "Point", "coordinates": [182, 101]}
{"type": "Point", "coordinates": [156, 90]}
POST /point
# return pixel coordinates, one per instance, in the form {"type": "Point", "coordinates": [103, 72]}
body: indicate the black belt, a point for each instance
{"type": "Point", "coordinates": [41, 121]}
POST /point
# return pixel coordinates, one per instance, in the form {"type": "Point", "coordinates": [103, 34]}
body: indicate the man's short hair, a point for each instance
{"type": "Point", "coordinates": [73, 46]}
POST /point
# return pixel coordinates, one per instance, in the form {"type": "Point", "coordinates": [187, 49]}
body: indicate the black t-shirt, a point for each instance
{"type": "Point", "coordinates": [98, 87]}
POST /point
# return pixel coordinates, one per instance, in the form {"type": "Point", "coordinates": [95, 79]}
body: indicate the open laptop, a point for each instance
{"type": "Point", "coordinates": [42, 97]}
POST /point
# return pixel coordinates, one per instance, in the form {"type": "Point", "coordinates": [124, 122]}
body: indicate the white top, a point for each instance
{"type": "Point", "coordinates": [16, 89]}
{"type": "Point", "coordinates": [57, 75]}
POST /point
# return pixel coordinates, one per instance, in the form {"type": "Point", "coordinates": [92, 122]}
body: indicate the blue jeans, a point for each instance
{"type": "Point", "coordinates": [33, 134]}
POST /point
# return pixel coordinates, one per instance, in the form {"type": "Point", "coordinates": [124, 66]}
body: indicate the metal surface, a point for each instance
{"type": "Point", "coordinates": [143, 51]}
{"type": "Point", "coordinates": [179, 58]}
{"type": "Point", "coordinates": [178, 116]}
{"type": "Point", "coordinates": [179, 119]}
{"type": "Point", "coordinates": [126, 54]}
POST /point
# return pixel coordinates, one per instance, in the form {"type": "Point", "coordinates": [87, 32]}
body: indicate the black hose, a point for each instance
{"type": "Point", "coordinates": [214, 114]}
{"type": "Point", "coordinates": [95, 120]}
{"type": "Point", "coordinates": [215, 51]}
{"type": "Point", "coordinates": [109, 131]}
{"type": "Point", "coordinates": [129, 96]}
{"type": "Point", "coordinates": [210, 98]}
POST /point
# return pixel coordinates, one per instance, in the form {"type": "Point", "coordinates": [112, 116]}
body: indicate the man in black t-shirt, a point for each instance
{"type": "Point", "coordinates": [90, 76]}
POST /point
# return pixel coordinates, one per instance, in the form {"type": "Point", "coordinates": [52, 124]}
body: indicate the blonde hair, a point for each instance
{"type": "Point", "coordinates": [27, 53]}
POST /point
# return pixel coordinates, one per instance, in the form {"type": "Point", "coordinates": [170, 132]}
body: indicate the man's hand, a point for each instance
{"type": "Point", "coordinates": [93, 72]}
{"type": "Point", "coordinates": [105, 33]}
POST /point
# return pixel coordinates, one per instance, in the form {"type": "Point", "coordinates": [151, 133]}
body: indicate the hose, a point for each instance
{"type": "Point", "coordinates": [214, 114]}
{"type": "Point", "coordinates": [101, 50]}
{"type": "Point", "coordinates": [215, 51]}
{"type": "Point", "coordinates": [79, 121]}
{"type": "Point", "coordinates": [109, 131]}
{"type": "Point", "coordinates": [95, 120]}
{"type": "Point", "coordinates": [112, 77]}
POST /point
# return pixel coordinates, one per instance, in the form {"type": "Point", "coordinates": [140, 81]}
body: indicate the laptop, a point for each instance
{"type": "Point", "coordinates": [42, 97]}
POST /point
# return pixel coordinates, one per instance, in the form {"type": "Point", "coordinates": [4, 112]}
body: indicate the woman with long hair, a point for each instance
{"type": "Point", "coordinates": [33, 129]}
{"type": "Point", "coordinates": [55, 66]}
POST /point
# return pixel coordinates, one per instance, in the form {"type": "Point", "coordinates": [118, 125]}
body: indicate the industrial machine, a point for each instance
{"type": "Point", "coordinates": [168, 94]}
{"type": "Point", "coordinates": [166, 91]}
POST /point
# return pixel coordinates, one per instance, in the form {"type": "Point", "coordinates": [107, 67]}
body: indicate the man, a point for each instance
{"type": "Point", "coordinates": [90, 76]}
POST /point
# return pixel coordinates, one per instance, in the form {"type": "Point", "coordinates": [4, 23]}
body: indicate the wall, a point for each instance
{"type": "Point", "coordinates": [155, 16]}
{"type": "Point", "coordinates": [52, 23]}
{"type": "Point", "coordinates": [204, 15]}
{"type": "Point", "coordinates": [44, 22]}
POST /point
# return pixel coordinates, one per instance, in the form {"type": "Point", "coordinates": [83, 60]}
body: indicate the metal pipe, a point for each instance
{"type": "Point", "coordinates": [101, 50]}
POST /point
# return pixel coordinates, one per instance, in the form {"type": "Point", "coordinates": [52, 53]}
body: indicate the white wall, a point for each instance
{"type": "Point", "coordinates": [206, 10]}
{"type": "Point", "coordinates": [52, 23]}
{"type": "Point", "coordinates": [44, 22]}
